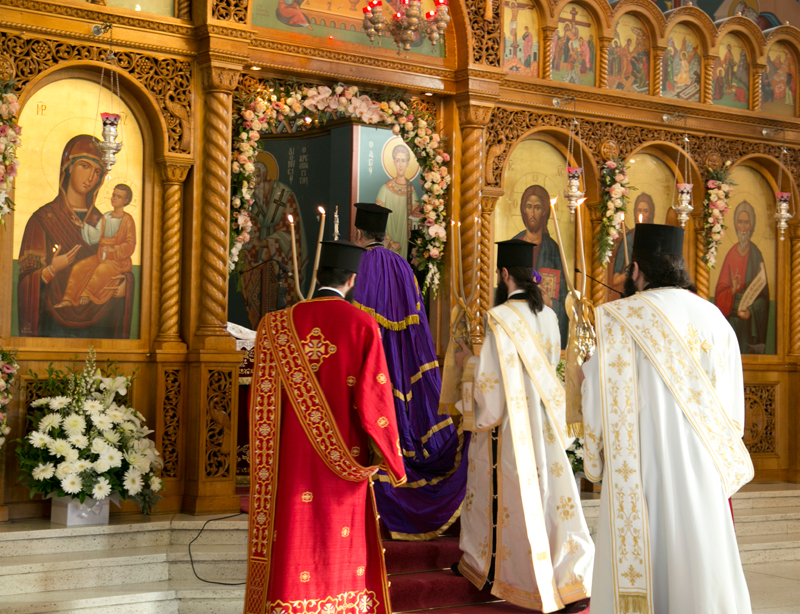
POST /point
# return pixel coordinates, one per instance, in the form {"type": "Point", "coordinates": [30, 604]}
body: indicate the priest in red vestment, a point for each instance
{"type": "Point", "coordinates": [321, 410]}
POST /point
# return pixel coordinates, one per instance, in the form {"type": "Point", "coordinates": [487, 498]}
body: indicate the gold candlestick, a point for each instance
{"type": "Point", "coordinates": [580, 246]}
{"type": "Point", "coordinates": [625, 241]}
{"type": "Point", "coordinates": [336, 223]}
{"type": "Point", "coordinates": [567, 276]}
{"type": "Point", "coordinates": [294, 260]}
{"type": "Point", "coordinates": [319, 250]}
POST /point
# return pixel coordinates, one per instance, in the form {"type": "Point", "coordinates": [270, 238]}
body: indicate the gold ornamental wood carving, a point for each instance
{"type": "Point", "coordinates": [230, 10]}
{"type": "Point", "coordinates": [507, 126]}
{"type": "Point", "coordinates": [173, 176]}
{"type": "Point", "coordinates": [794, 296]}
{"type": "Point", "coordinates": [171, 414]}
{"type": "Point", "coordinates": [167, 79]}
{"type": "Point", "coordinates": [486, 34]}
{"type": "Point", "coordinates": [759, 418]}
{"type": "Point", "coordinates": [183, 9]}
{"type": "Point", "coordinates": [219, 434]}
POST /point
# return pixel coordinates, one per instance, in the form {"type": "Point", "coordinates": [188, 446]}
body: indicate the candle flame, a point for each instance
{"type": "Point", "coordinates": [452, 222]}
{"type": "Point", "coordinates": [640, 218]}
{"type": "Point", "coordinates": [291, 219]}
{"type": "Point", "coordinates": [581, 201]}
{"type": "Point", "coordinates": [321, 210]}
{"type": "Point", "coordinates": [553, 202]}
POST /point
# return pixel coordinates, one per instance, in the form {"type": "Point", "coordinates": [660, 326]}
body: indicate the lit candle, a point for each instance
{"type": "Point", "coordinates": [319, 250]}
{"type": "Point", "coordinates": [367, 9]}
{"type": "Point", "coordinates": [564, 266]}
{"type": "Point", "coordinates": [580, 246]}
{"type": "Point", "coordinates": [294, 260]}
{"type": "Point", "coordinates": [625, 240]}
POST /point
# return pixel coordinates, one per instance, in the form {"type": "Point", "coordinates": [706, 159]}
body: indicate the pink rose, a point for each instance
{"type": "Point", "coordinates": [247, 125]}
{"type": "Point", "coordinates": [8, 369]}
{"type": "Point", "coordinates": [3, 130]}
{"type": "Point", "coordinates": [12, 171]}
{"type": "Point", "coordinates": [619, 178]}
{"type": "Point", "coordinates": [429, 222]}
{"type": "Point", "coordinates": [434, 253]}
{"type": "Point", "coordinates": [18, 130]}
{"type": "Point", "coordinates": [712, 183]}
{"type": "Point", "coordinates": [446, 157]}
{"type": "Point", "coordinates": [611, 165]}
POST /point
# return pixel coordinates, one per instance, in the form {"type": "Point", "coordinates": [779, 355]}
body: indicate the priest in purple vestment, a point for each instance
{"type": "Point", "coordinates": [433, 446]}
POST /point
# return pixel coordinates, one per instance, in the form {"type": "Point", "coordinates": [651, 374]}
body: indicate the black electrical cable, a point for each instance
{"type": "Point", "coordinates": [191, 560]}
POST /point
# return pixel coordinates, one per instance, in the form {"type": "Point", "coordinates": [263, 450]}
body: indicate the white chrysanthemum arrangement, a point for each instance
{"type": "Point", "coordinates": [87, 443]}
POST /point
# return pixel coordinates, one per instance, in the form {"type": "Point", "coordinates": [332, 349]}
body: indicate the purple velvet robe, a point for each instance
{"type": "Point", "coordinates": [434, 450]}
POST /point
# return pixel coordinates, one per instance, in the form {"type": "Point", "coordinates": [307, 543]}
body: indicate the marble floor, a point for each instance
{"type": "Point", "coordinates": [774, 587]}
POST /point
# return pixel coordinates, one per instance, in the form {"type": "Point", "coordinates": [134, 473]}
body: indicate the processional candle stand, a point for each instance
{"type": "Point", "coordinates": [463, 301]}
{"type": "Point", "coordinates": [295, 269]}
{"type": "Point", "coordinates": [782, 215]}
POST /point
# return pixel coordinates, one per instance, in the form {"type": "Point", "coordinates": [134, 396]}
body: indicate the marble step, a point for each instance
{"type": "Point", "coordinates": [769, 548]}
{"type": "Point", "coordinates": [41, 573]}
{"type": "Point", "coordinates": [757, 496]}
{"type": "Point", "coordinates": [148, 598]}
{"type": "Point", "coordinates": [216, 563]}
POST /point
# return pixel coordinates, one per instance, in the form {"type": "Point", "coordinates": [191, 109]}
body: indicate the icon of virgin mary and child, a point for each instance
{"type": "Point", "coordinates": [75, 267]}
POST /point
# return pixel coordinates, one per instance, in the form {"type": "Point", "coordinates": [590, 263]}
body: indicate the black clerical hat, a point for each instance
{"type": "Point", "coordinates": [371, 217]}
{"type": "Point", "coordinates": [514, 253]}
{"type": "Point", "coordinates": [658, 238]}
{"type": "Point", "coordinates": [341, 255]}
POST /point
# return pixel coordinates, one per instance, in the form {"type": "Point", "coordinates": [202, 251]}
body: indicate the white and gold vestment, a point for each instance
{"type": "Point", "coordinates": [543, 552]}
{"type": "Point", "coordinates": [663, 407]}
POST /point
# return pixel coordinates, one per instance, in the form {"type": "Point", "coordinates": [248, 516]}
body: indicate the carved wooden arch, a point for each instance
{"type": "Point", "coordinates": [786, 35]}
{"type": "Point", "coordinates": [698, 21]}
{"type": "Point", "coordinates": [650, 15]}
{"type": "Point", "coordinates": [130, 90]}
{"type": "Point", "coordinates": [462, 33]}
{"type": "Point", "coordinates": [748, 31]}
{"type": "Point", "coordinates": [787, 293]}
{"type": "Point", "coordinates": [484, 32]}
{"type": "Point", "coordinates": [600, 10]}
{"type": "Point", "coordinates": [559, 138]}
{"type": "Point", "coordinates": [168, 80]}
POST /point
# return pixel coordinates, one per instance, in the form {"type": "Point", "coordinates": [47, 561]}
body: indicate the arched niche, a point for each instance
{"type": "Point", "coordinates": [630, 55]}
{"type": "Point", "coordinates": [144, 184]}
{"type": "Point", "coordinates": [521, 47]}
{"type": "Point", "coordinates": [655, 169]}
{"type": "Point", "coordinates": [682, 63]}
{"type": "Point", "coordinates": [752, 209]}
{"type": "Point", "coordinates": [779, 79]}
{"type": "Point", "coordinates": [534, 172]}
{"type": "Point", "coordinates": [575, 44]}
{"type": "Point", "coordinates": [732, 72]}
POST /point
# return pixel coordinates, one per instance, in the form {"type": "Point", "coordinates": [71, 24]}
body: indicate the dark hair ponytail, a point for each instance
{"type": "Point", "coordinates": [523, 278]}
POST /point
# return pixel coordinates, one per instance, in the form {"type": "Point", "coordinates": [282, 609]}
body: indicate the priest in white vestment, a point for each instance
{"type": "Point", "coordinates": [663, 409]}
{"type": "Point", "coordinates": [522, 525]}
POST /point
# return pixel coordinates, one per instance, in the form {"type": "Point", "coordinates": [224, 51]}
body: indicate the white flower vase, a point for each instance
{"type": "Point", "coordinates": [72, 513]}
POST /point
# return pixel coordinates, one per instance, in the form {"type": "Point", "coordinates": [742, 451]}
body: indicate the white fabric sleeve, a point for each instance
{"type": "Point", "coordinates": [592, 420]}
{"type": "Point", "coordinates": [91, 234]}
{"type": "Point", "coordinates": [490, 398]}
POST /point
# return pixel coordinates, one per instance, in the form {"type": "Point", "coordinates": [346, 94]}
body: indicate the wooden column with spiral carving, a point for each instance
{"type": "Point", "coordinates": [183, 9]}
{"type": "Point", "coordinates": [547, 53]}
{"type": "Point", "coordinates": [605, 44]}
{"type": "Point", "coordinates": [472, 120]}
{"type": "Point", "coordinates": [218, 83]}
{"type": "Point", "coordinates": [173, 175]}
{"type": "Point", "coordinates": [701, 277]}
{"type": "Point", "coordinates": [757, 72]}
{"type": "Point", "coordinates": [708, 80]}
{"type": "Point", "coordinates": [794, 292]}
{"type": "Point", "coordinates": [658, 73]}
{"type": "Point", "coordinates": [486, 268]}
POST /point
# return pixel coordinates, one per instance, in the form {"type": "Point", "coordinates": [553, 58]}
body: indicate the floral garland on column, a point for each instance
{"type": "Point", "coordinates": [614, 179]}
{"type": "Point", "coordinates": [8, 372]}
{"type": "Point", "coordinates": [297, 108]}
{"type": "Point", "coordinates": [9, 143]}
{"type": "Point", "coordinates": [715, 206]}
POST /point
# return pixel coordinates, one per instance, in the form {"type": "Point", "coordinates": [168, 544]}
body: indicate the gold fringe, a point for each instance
{"type": "Point", "coordinates": [575, 429]}
{"type": "Point", "coordinates": [388, 324]}
{"type": "Point", "coordinates": [632, 604]}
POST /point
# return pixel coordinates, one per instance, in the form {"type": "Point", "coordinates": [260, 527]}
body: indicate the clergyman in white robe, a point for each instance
{"type": "Point", "coordinates": [663, 395]}
{"type": "Point", "coordinates": [543, 552]}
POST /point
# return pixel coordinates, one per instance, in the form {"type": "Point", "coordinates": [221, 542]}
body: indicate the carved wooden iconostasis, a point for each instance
{"type": "Point", "coordinates": [183, 63]}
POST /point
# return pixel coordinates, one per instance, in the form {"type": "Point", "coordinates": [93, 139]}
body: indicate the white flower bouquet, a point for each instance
{"type": "Point", "coordinates": [9, 143]}
{"type": "Point", "coordinates": [86, 443]}
{"type": "Point", "coordinates": [715, 205]}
